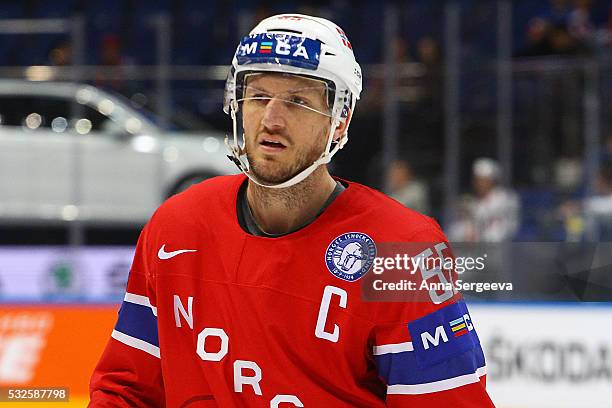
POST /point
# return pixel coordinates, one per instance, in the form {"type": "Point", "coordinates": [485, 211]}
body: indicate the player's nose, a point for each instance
{"type": "Point", "coordinates": [275, 114]}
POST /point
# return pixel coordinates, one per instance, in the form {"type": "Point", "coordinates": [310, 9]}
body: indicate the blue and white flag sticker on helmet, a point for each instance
{"type": "Point", "coordinates": [443, 334]}
{"type": "Point", "coordinates": [279, 48]}
{"type": "Point", "coordinates": [350, 255]}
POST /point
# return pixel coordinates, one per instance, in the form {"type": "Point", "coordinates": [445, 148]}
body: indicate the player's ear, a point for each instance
{"type": "Point", "coordinates": [343, 126]}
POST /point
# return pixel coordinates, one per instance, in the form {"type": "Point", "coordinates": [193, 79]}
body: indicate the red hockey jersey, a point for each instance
{"type": "Point", "coordinates": [216, 317]}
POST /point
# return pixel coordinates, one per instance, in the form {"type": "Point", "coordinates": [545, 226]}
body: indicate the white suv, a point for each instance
{"type": "Point", "coordinates": [74, 152]}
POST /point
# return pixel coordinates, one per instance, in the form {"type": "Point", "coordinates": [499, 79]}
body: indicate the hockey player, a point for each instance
{"type": "Point", "coordinates": [245, 292]}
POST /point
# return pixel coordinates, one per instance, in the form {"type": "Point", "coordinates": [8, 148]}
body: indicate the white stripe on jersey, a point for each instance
{"type": "Point", "coordinates": [437, 386]}
{"type": "Point", "coordinates": [136, 343]}
{"type": "Point", "coordinates": [393, 348]}
{"type": "Point", "coordinates": [140, 300]}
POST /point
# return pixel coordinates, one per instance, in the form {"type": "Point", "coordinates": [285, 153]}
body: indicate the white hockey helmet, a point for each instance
{"type": "Point", "coordinates": [301, 45]}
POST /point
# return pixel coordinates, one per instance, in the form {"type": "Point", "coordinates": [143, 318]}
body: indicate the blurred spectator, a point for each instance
{"type": "Point", "coordinates": [537, 38]}
{"type": "Point", "coordinates": [565, 29]}
{"type": "Point", "coordinates": [591, 219]}
{"type": "Point", "coordinates": [462, 229]}
{"type": "Point", "coordinates": [579, 22]}
{"type": "Point", "coordinates": [406, 189]}
{"type": "Point", "coordinates": [492, 215]}
{"type": "Point", "coordinates": [562, 42]}
{"type": "Point", "coordinates": [428, 51]}
{"type": "Point", "coordinates": [61, 54]}
{"type": "Point", "coordinates": [598, 209]}
{"type": "Point", "coordinates": [110, 55]}
{"type": "Point", "coordinates": [568, 174]}
{"type": "Point", "coordinates": [428, 54]}
{"type": "Point", "coordinates": [373, 100]}
{"type": "Point", "coordinates": [400, 50]}
{"type": "Point", "coordinates": [546, 39]}
{"type": "Point", "coordinates": [110, 50]}
{"type": "Point", "coordinates": [571, 173]}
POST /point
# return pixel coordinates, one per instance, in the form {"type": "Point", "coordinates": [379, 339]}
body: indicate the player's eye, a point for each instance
{"type": "Point", "coordinates": [258, 98]}
{"type": "Point", "coordinates": [298, 100]}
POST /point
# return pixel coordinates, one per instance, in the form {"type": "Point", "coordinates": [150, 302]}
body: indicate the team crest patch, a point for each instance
{"type": "Point", "coordinates": [350, 255]}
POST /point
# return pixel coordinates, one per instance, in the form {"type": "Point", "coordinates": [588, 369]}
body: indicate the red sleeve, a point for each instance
{"type": "Point", "coordinates": [423, 364]}
{"type": "Point", "coordinates": [426, 350]}
{"type": "Point", "coordinates": [129, 372]}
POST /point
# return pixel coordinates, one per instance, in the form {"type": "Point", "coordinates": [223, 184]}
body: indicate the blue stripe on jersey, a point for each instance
{"type": "Point", "coordinates": [434, 340]}
{"type": "Point", "coordinates": [138, 321]}
{"type": "Point", "coordinates": [402, 368]}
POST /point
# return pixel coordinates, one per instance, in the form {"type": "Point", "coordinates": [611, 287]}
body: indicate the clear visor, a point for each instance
{"type": "Point", "coordinates": [296, 94]}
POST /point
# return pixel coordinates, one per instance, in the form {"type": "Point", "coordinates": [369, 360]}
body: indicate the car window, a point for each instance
{"type": "Point", "coordinates": [33, 112]}
{"type": "Point", "coordinates": [55, 113]}
{"type": "Point", "coordinates": [98, 121]}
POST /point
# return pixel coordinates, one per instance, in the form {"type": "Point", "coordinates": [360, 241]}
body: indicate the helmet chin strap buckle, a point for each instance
{"type": "Point", "coordinates": [234, 156]}
{"type": "Point", "coordinates": [235, 161]}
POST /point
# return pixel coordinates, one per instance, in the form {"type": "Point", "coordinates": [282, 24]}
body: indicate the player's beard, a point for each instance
{"type": "Point", "coordinates": [276, 172]}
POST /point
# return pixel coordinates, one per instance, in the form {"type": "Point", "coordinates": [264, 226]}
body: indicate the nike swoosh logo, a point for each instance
{"type": "Point", "coordinates": [162, 254]}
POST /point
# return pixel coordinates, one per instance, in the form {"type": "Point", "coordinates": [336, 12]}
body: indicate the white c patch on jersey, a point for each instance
{"type": "Point", "coordinates": [324, 310]}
